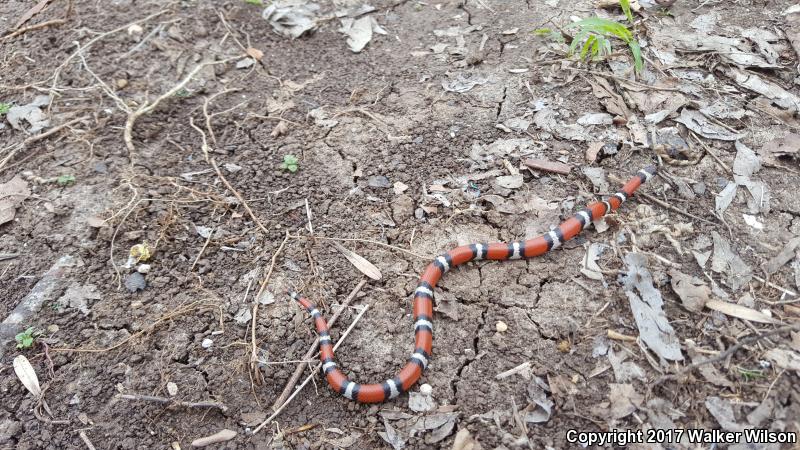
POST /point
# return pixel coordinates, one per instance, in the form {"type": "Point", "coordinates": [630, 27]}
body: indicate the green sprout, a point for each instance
{"type": "Point", "coordinates": [290, 163]}
{"type": "Point", "coordinates": [26, 338]}
{"type": "Point", "coordinates": [594, 34]}
{"type": "Point", "coordinates": [183, 93]}
{"type": "Point", "coordinates": [65, 180]}
{"type": "Point", "coordinates": [750, 374]}
{"type": "Point", "coordinates": [626, 7]}
{"type": "Point", "coordinates": [4, 108]}
{"type": "Point", "coordinates": [255, 2]}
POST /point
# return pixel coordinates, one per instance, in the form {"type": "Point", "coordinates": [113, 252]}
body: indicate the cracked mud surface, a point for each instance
{"type": "Point", "coordinates": [421, 136]}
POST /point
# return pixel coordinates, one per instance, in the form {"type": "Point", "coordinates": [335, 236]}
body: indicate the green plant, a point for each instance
{"type": "Point", "coordinates": [290, 163]}
{"type": "Point", "coordinates": [594, 34]}
{"type": "Point", "coordinates": [26, 338]}
{"type": "Point", "coordinates": [750, 374]}
{"type": "Point", "coordinates": [65, 180]}
{"type": "Point", "coordinates": [4, 108]}
{"type": "Point", "coordinates": [255, 2]}
{"type": "Point", "coordinates": [183, 93]}
{"type": "Point", "coordinates": [626, 8]}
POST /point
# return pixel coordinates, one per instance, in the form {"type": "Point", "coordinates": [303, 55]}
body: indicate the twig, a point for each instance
{"type": "Point", "coordinates": [222, 178]}
{"type": "Point", "coordinates": [170, 402]}
{"type": "Point", "coordinates": [208, 116]}
{"type": "Point", "coordinates": [34, 27]}
{"type": "Point", "coordinates": [370, 241]}
{"type": "Point", "coordinates": [254, 350]}
{"type": "Point", "coordinates": [662, 203]}
{"type": "Point", "coordinates": [722, 355]}
{"type": "Point", "coordinates": [149, 107]}
{"type": "Point", "coordinates": [298, 371]}
{"type": "Point", "coordinates": [313, 373]}
{"type": "Point", "coordinates": [771, 284]}
{"type": "Point", "coordinates": [85, 439]}
{"type": "Point", "coordinates": [38, 137]}
{"type": "Point", "coordinates": [202, 250]}
{"type": "Point", "coordinates": [713, 155]}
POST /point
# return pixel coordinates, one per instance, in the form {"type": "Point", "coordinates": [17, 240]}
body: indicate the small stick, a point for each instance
{"type": "Point", "coordinates": [149, 107]}
{"type": "Point", "coordinates": [713, 155]}
{"type": "Point", "coordinates": [620, 337]}
{"type": "Point", "coordinates": [313, 373]}
{"type": "Point", "coordinates": [520, 368]}
{"type": "Point", "coordinates": [370, 241]}
{"type": "Point", "coordinates": [254, 348]}
{"type": "Point", "coordinates": [771, 284]}
{"type": "Point", "coordinates": [722, 355]}
{"type": "Point", "coordinates": [38, 137]}
{"type": "Point", "coordinates": [86, 440]}
{"type": "Point", "coordinates": [202, 250]}
{"type": "Point", "coordinates": [224, 180]}
{"type": "Point", "coordinates": [170, 402]}
{"type": "Point", "coordinates": [298, 371]}
{"type": "Point", "coordinates": [34, 27]}
{"type": "Point", "coordinates": [663, 203]}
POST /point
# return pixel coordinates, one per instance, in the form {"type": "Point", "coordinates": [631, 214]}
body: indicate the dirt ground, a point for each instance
{"type": "Point", "coordinates": [399, 169]}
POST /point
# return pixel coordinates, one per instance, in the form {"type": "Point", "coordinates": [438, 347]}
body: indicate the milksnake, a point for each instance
{"type": "Point", "coordinates": [423, 296]}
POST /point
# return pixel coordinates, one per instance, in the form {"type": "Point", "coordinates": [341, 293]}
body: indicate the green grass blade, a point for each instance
{"type": "Point", "coordinates": [587, 45]}
{"type": "Point", "coordinates": [638, 65]}
{"type": "Point", "coordinates": [626, 7]}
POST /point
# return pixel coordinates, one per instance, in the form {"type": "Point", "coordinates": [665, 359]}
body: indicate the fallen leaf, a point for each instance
{"type": "Point", "coordinates": [609, 98]}
{"type": "Point", "coordinates": [590, 267]}
{"type": "Point", "coordinates": [693, 292]}
{"type": "Point", "coordinates": [624, 400]}
{"type": "Point", "coordinates": [254, 53]}
{"type": "Point", "coordinates": [647, 308]}
{"type": "Point", "coordinates": [722, 410]}
{"type": "Point", "coordinates": [785, 359]}
{"type": "Point", "coordinates": [291, 18]}
{"type": "Point", "coordinates": [510, 181]}
{"type": "Point", "coordinates": [739, 311]}
{"type": "Point", "coordinates": [775, 93]}
{"type": "Point", "coordinates": [465, 441]}
{"type": "Point", "coordinates": [541, 407]}
{"type": "Point", "coordinates": [548, 166]}
{"type": "Point", "coordinates": [26, 374]}
{"type": "Point", "coordinates": [708, 371]}
{"type": "Point", "coordinates": [725, 261]}
{"type": "Point", "coordinates": [366, 267]}
{"type": "Point", "coordinates": [392, 436]}
{"type": "Point", "coordinates": [462, 83]}
{"type": "Point", "coordinates": [598, 178]}
{"type": "Point", "coordinates": [31, 113]}
{"type": "Point", "coordinates": [624, 371]}
{"type": "Point", "coordinates": [788, 145]}
{"type": "Point", "coordinates": [697, 122]}
{"type": "Point", "coordinates": [12, 194]}
{"type": "Point", "coordinates": [725, 197]}
{"type": "Point", "coordinates": [359, 31]}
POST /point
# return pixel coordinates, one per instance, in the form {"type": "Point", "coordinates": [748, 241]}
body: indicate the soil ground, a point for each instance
{"type": "Point", "coordinates": [394, 120]}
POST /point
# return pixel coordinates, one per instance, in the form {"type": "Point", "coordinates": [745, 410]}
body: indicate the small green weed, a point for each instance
{"type": "Point", "coordinates": [750, 374]}
{"type": "Point", "coordinates": [626, 8]}
{"type": "Point", "coordinates": [4, 108]}
{"type": "Point", "coordinates": [290, 163]}
{"type": "Point", "coordinates": [183, 93]}
{"type": "Point", "coordinates": [65, 180]}
{"type": "Point", "coordinates": [255, 2]}
{"type": "Point", "coordinates": [594, 33]}
{"type": "Point", "coordinates": [26, 338]}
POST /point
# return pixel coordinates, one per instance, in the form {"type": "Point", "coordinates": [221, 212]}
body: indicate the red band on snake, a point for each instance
{"type": "Point", "coordinates": [423, 296]}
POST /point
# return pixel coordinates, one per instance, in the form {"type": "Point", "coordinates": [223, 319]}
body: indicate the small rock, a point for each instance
{"type": "Point", "coordinates": [207, 343]}
{"type": "Point", "coordinates": [121, 83]}
{"type": "Point", "coordinates": [136, 359]}
{"type": "Point", "coordinates": [216, 438]}
{"type": "Point", "coordinates": [402, 208]}
{"type": "Point", "coordinates": [501, 327]}
{"type": "Point", "coordinates": [699, 188]}
{"type": "Point", "coordinates": [172, 389]}
{"type": "Point", "coordinates": [232, 168]}
{"type": "Point", "coordinates": [75, 400]}
{"type": "Point", "coordinates": [419, 402]}
{"type": "Point", "coordinates": [101, 167]}
{"type": "Point", "coordinates": [243, 317]}
{"type": "Point", "coordinates": [143, 268]}
{"type": "Point", "coordinates": [426, 389]}
{"type": "Point", "coordinates": [379, 181]}
{"type": "Point", "coordinates": [135, 30]}
{"type": "Point", "coordinates": [52, 329]}
{"type": "Point", "coordinates": [135, 282]}
{"type": "Point", "coordinates": [400, 187]}
{"type": "Point", "coordinates": [137, 304]}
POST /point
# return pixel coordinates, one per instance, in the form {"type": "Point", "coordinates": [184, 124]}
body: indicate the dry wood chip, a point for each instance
{"type": "Point", "coordinates": [366, 267]}
{"type": "Point", "coordinates": [548, 166]}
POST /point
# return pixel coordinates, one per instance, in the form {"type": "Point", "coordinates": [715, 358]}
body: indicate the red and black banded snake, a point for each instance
{"type": "Point", "coordinates": [423, 296]}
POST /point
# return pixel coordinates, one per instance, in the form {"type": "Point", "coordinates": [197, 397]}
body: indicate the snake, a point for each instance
{"type": "Point", "coordinates": [423, 296]}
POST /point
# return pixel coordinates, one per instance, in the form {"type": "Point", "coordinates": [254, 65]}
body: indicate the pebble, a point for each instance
{"type": "Point", "coordinates": [400, 187]}
{"type": "Point", "coordinates": [172, 389]}
{"type": "Point", "coordinates": [216, 438]}
{"type": "Point", "coordinates": [135, 282]}
{"type": "Point", "coordinates": [207, 343]}
{"type": "Point", "coordinates": [501, 327]}
{"type": "Point", "coordinates": [135, 29]}
{"type": "Point", "coordinates": [52, 329]}
{"type": "Point", "coordinates": [143, 268]}
{"type": "Point", "coordinates": [379, 181]}
{"type": "Point", "coordinates": [426, 389]}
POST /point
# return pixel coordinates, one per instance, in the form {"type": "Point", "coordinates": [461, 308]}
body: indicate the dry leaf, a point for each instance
{"type": "Point", "coordinates": [26, 374]}
{"type": "Point", "coordinates": [12, 194]}
{"type": "Point", "coordinates": [785, 359]}
{"type": "Point", "coordinates": [739, 311]}
{"type": "Point", "coordinates": [548, 166]}
{"type": "Point", "coordinates": [693, 292]}
{"type": "Point", "coordinates": [254, 53]}
{"type": "Point", "coordinates": [366, 267]}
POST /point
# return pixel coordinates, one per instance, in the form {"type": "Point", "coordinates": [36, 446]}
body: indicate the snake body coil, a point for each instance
{"type": "Point", "coordinates": [423, 296]}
